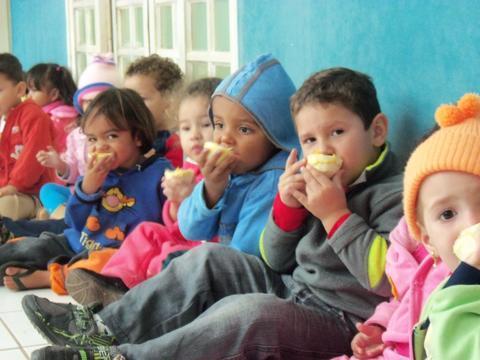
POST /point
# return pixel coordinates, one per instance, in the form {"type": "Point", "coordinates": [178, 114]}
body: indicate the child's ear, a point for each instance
{"type": "Point", "coordinates": [379, 130]}
{"type": "Point", "coordinates": [21, 88]}
{"type": "Point", "coordinates": [54, 94]}
{"type": "Point", "coordinates": [138, 141]}
{"type": "Point", "coordinates": [425, 239]}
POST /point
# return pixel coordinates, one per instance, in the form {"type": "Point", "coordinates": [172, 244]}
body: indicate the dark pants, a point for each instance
{"type": "Point", "coordinates": [215, 302]}
{"type": "Point", "coordinates": [36, 251]}
{"type": "Point", "coordinates": [33, 227]}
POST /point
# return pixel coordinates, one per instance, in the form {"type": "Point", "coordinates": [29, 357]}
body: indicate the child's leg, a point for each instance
{"type": "Point", "coordinates": [53, 195]}
{"type": "Point", "coordinates": [131, 262]}
{"type": "Point", "coordinates": [35, 251]}
{"type": "Point", "coordinates": [18, 206]}
{"type": "Point", "coordinates": [256, 326]}
{"type": "Point", "coordinates": [33, 228]}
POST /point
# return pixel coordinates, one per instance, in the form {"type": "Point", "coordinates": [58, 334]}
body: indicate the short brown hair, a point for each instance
{"type": "Point", "coordinates": [125, 109]}
{"type": "Point", "coordinates": [351, 89]}
{"type": "Point", "coordinates": [167, 75]}
{"type": "Point", "coordinates": [10, 66]}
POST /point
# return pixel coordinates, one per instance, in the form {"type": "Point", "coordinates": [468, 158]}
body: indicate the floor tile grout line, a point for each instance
{"type": "Point", "coordinates": [20, 347]}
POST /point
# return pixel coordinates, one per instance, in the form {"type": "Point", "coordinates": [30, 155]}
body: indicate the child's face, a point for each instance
{"type": "Point", "coordinates": [154, 100]}
{"type": "Point", "coordinates": [448, 202]}
{"type": "Point", "coordinates": [43, 97]}
{"type": "Point", "coordinates": [10, 93]}
{"type": "Point", "coordinates": [103, 136]}
{"type": "Point", "coordinates": [195, 127]}
{"type": "Point", "coordinates": [236, 129]}
{"type": "Point", "coordinates": [333, 129]}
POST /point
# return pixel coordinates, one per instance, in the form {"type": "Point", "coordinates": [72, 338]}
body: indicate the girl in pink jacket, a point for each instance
{"type": "Point", "coordinates": [413, 274]}
{"type": "Point", "coordinates": [150, 247]}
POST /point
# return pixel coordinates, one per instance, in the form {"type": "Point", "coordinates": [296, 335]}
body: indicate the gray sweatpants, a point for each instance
{"type": "Point", "coordinates": [215, 302]}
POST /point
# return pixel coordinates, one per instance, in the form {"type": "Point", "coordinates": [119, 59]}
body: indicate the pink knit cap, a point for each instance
{"type": "Point", "coordinates": [98, 76]}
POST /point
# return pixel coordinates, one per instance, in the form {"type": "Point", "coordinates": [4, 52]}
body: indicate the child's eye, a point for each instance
{"type": "Point", "coordinates": [185, 128]}
{"type": "Point", "coordinates": [337, 132]}
{"type": "Point", "coordinates": [207, 124]}
{"type": "Point", "coordinates": [217, 125]}
{"type": "Point", "coordinates": [245, 130]}
{"type": "Point", "coordinates": [447, 215]}
{"type": "Point", "coordinates": [112, 136]}
{"type": "Point", "coordinates": [91, 139]}
{"type": "Point", "coordinates": [309, 140]}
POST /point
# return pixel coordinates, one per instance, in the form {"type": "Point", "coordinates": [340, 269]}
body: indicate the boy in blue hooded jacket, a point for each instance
{"type": "Point", "coordinates": [251, 117]}
{"type": "Point", "coordinates": [213, 302]}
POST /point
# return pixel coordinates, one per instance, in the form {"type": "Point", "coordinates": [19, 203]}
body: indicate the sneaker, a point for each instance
{"type": "Point", "coordinates": [64, 324]}
{"type": "Point", "coordinates": [88, 287]}
{"type": "Point", "coordinates": [65, 353]}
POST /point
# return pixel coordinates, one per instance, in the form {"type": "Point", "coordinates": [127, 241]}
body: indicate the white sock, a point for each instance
{"type": "Point", "coordinates": [102, 328]}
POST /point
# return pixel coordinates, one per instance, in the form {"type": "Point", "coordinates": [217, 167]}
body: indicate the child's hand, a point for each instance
{"type": "Point", "coordinates": [8, 190]}
{"type": "Point", "coordinates": [50, 158]}
{"type": "Point", "coordinates": [291, 181]}
{"type": "Point", "coordinates": [368, 341]}
{"type": "Point", "coordinates": [216, 174]}
{"type": "Point", "coordinates": [177, 189]}
{"type": "Point", "coordinates": [324, 198]}
{"type": "Point", "coordinates": [96, 173]}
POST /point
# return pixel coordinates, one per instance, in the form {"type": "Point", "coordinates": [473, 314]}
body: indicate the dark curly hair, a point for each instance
{"type": "Point", "coordinates": [167, 75]}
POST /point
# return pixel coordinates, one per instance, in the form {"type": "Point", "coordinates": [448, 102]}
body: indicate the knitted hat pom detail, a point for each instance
{"type": "Point", "coordinates": [467, 107]}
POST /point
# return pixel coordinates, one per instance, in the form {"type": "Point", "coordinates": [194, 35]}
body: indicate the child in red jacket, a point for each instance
{"type": "Point", "coordinates": [26, 130]}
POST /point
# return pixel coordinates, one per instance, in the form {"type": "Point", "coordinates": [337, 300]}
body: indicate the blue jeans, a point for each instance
{"type": "Point", "coordinates": [36, 251]}
{"type": "Point", "coordinates": [215, 302]}
{"type": "Point", "coordinates": [33, 228]}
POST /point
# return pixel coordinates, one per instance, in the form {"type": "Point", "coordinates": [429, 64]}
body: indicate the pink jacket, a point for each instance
{"type": "Point", "coordinates": [63, 118]}
{"type": "Point", "coordinates": [75, 155]}
{"type": "Point", "coordinates": [413, 276]}
{"type": "Point", "coordinates": [149, 246]}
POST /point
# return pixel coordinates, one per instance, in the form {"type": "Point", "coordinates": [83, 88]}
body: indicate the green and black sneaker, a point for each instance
{"type": "Point", "coordinates": [65, 324]}
{"type": "Point", "coordinates": [66, 353]}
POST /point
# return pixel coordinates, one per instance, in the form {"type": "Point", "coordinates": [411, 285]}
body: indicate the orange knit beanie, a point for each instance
{"type": "Point", "coordinates": [454, 147]}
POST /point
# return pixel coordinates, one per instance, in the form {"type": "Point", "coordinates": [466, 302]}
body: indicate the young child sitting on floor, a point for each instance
{"type": "Point", "coordinates": [100, 75]}
{"type": "Point", "coordinates": [120, 189]}
{"type": "Point", "coordinates": [158, 80]}
{"type": "Point", "coordinates": [27, 129]}
{"type": "Point", "coordinates": [441, 197]}
{"type": "Point", "coordinates": [149, 248]}
{"type": "Point", "coordinates": [51, 86]}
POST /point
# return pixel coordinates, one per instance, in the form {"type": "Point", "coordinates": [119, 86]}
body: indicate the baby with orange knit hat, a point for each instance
{"type": "Point", "coordinates": [442, 215]}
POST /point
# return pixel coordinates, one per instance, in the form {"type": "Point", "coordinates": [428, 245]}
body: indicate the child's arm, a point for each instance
{"type": "Point", "coordinates": [176, 190]}
{"type": "Point", "coordinates": [196, 220]}
{"type": "Point", "coordinates": [76, 147]}
{"type": "Point", "coordinates": [87, 192]}
{"type": "Point", "coordinates": [284, 227]}
{"type": "Point", "coordinates": [361, 242]}
{"type": "Point", "coordinates": [454, 317]}
{"type": "Point", "coordinates": [35, 137]}
{"type": "Point", "coordinates": [51, 158]}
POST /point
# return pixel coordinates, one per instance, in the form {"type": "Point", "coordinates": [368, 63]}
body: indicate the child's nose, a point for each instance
{"type": "Point", "coordinates": [325, 148]}
{"type": "Point", "coordinates": [227, 137]}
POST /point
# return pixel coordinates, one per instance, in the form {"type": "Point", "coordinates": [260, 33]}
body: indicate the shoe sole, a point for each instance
{"type": "Point", "coordinates": [87, 289]}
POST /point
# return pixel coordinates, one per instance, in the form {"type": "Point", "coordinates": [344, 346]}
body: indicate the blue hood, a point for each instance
{"type": "Point", "coordinates": [263, 88]}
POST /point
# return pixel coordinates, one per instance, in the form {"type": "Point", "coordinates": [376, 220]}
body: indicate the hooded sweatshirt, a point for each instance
{"type": "Point", "coordinates": [263, 89]}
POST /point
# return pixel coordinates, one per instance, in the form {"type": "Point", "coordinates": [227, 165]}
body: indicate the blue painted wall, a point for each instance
{"type": "Point", "coordinates": [39, 31]}
{"type": "Point", "coordinates": [420, 53]}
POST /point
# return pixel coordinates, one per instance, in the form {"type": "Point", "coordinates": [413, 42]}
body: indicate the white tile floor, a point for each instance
{"type": "Point", "coordinates": [18, 338]}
